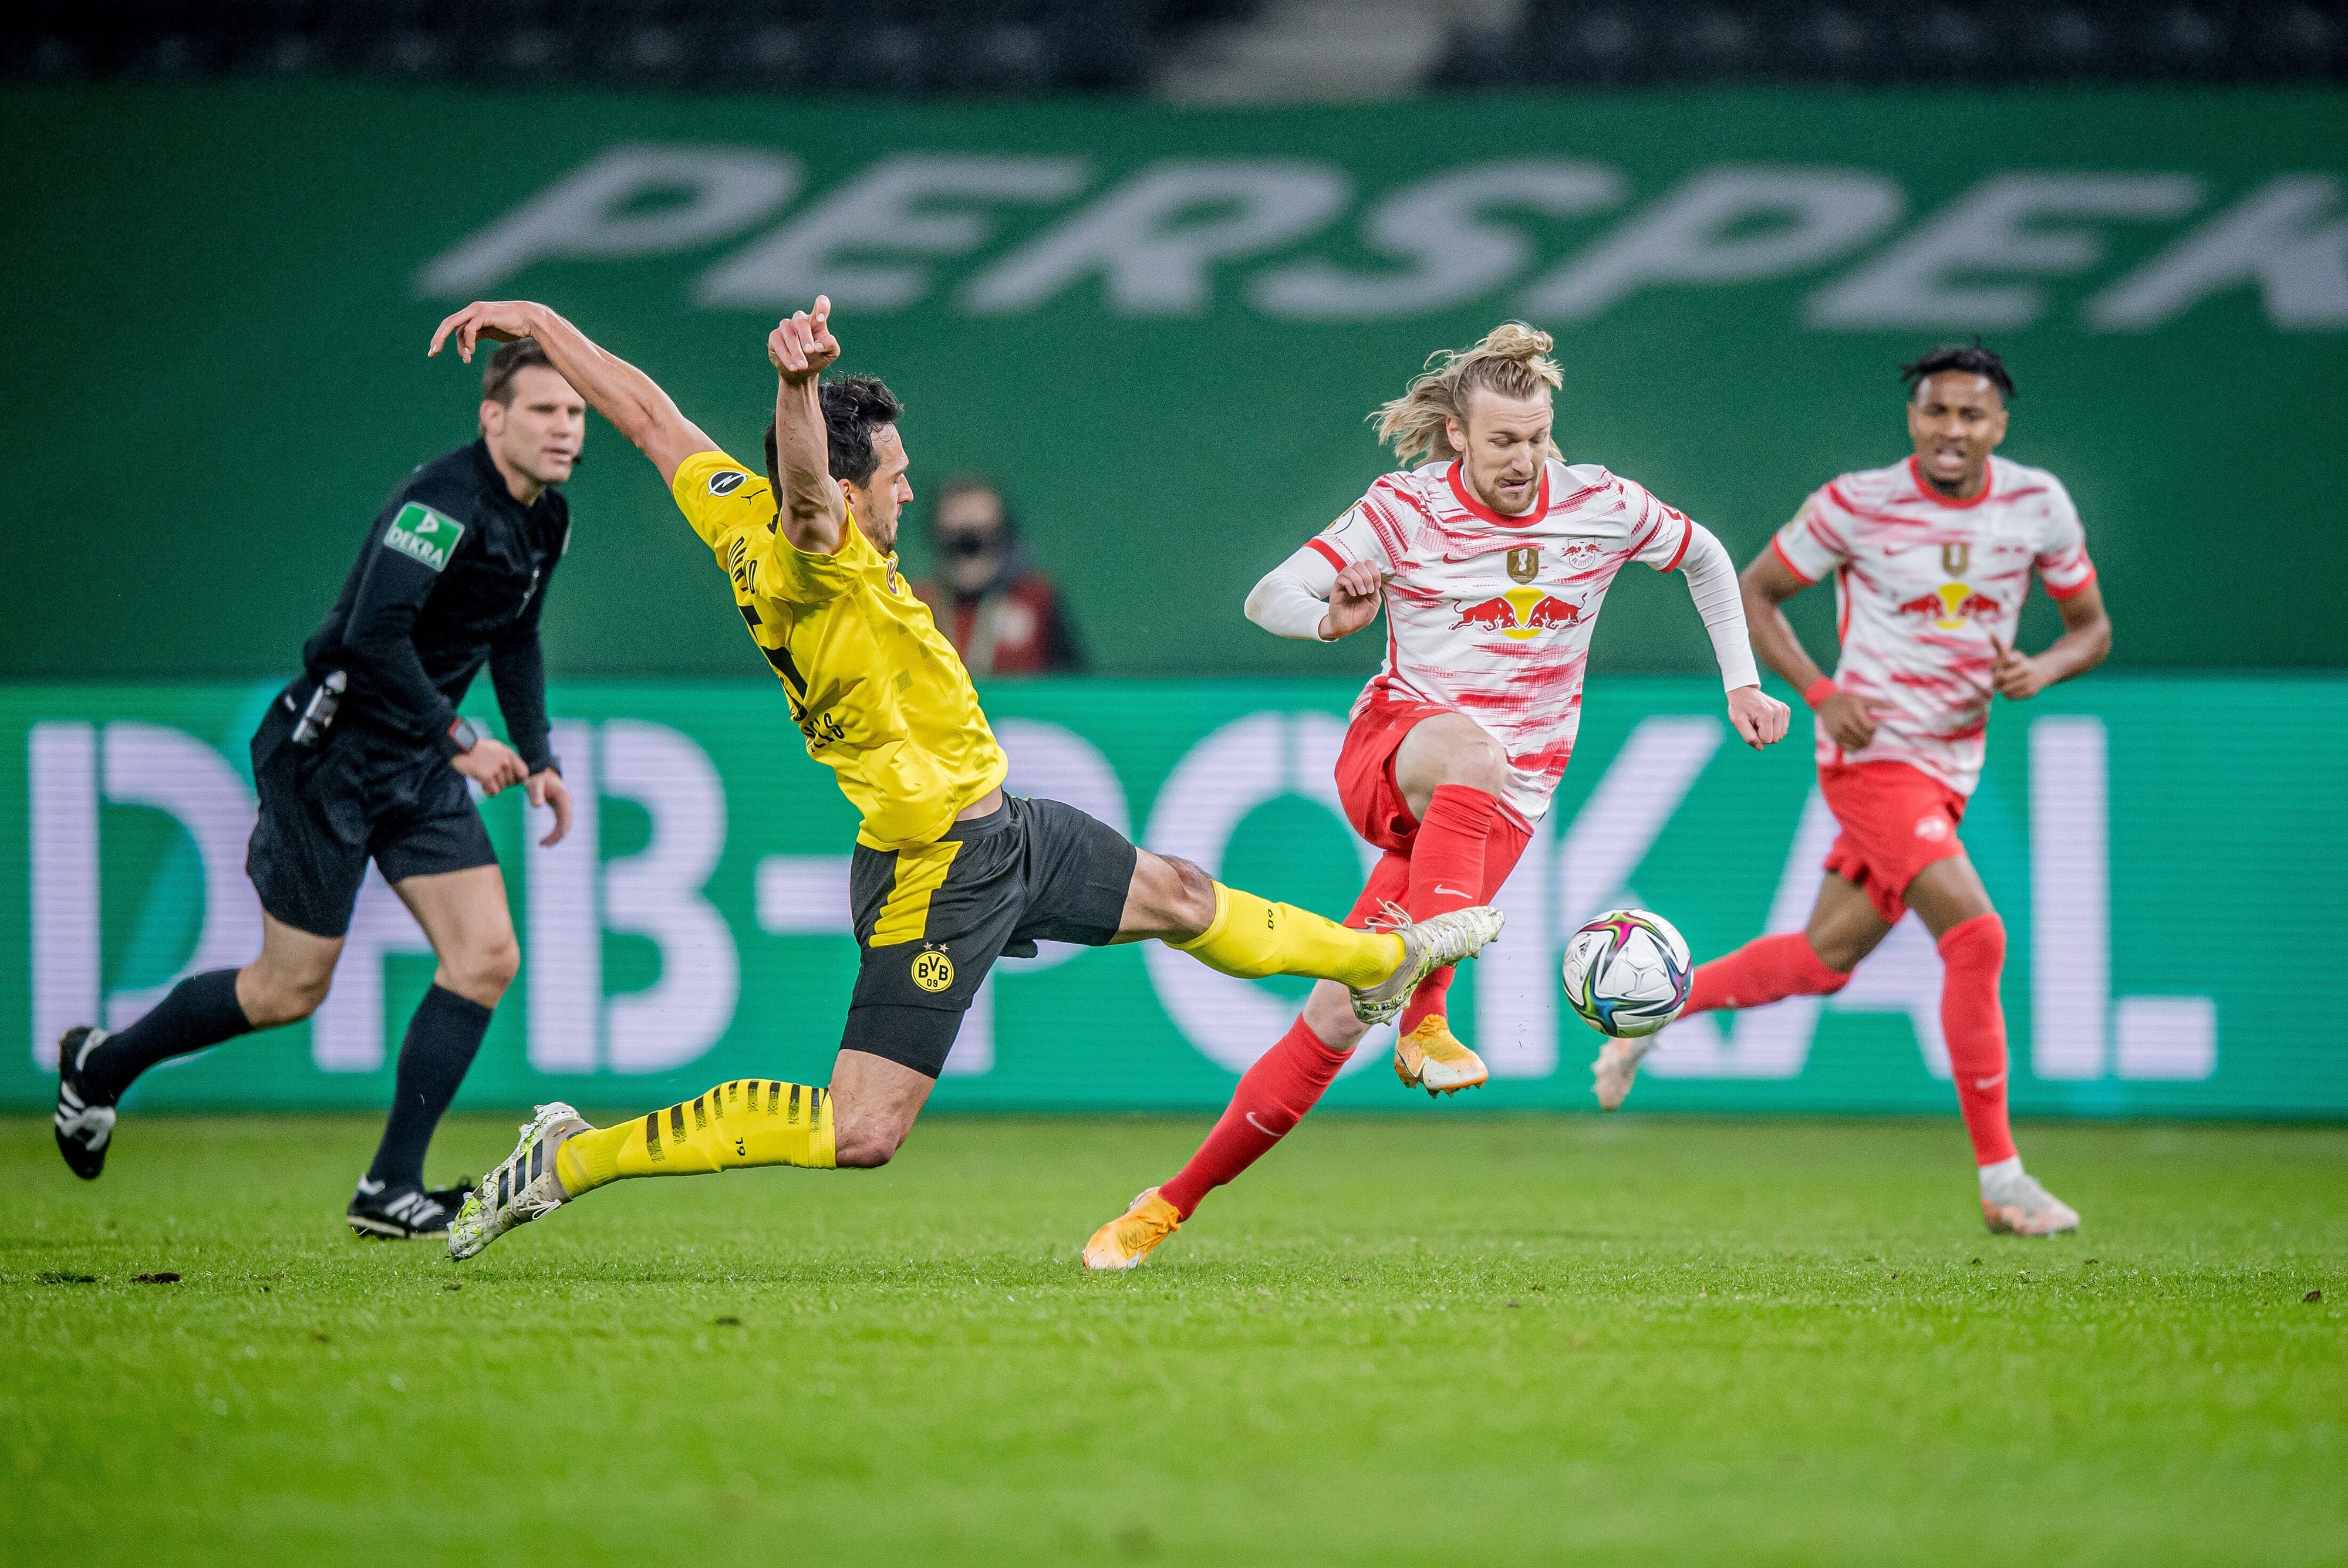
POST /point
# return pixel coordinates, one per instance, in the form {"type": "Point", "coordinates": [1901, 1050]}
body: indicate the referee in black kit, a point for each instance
{"type": "Point", "coordinates": [365, 756]}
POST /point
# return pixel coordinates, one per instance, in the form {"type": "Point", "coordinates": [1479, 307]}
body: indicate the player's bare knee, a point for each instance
{"type": "Point", "coordinates": [481, 973]}
{"type": "Point", "coordinates": [1838, 951]}
{"type": "Point", "coordinates": [1476, 762]}
{"type": "Point", "coordinates": [864, 1143]}
{"type": "Point", "coordinates": [271, 999]}
{"type": "Point", "coordinates": [1188, 897]}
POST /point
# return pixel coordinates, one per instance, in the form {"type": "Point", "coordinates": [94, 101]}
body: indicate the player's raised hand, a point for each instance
{"type": "Point", "coordinates": [1353, 600]}
{"type": "Point", "coordinates": [2016, 676]}
{"type": "Point", "coordinates": [801, 346]}
{"type": "Point", "coordinates": [498, 321]}
{"type": "Point", "coordinates": [1759, 719]}
{"type": "Point", "coordinates": [1849, 721]}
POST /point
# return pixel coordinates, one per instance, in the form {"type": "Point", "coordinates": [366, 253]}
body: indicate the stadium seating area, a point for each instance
{"type": "Point", "coordinates": [1611, 43]}
{"type": "Point", "coordinates": [893, 45]}
{"type": "Point", "coordinates": [1040, 47]}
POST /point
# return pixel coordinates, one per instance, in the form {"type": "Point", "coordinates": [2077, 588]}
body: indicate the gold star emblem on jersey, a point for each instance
{"type": "Point", "coordinates": [933, 970]}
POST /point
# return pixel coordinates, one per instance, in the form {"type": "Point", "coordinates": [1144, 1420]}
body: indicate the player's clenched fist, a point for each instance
{"type": "Point", "coordinates": [801, 345]}
{"type": "Point", "coordinates": [1758, 718]}
{"type": "Point", "coordinates": [2016, 676]}
{"type": "Point", "coordinates": [1352, 602]}
{"type": "Point", "coordinates": [1848, 721]}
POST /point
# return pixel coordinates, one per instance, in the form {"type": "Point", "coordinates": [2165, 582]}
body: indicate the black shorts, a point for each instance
{"type": "Point", "coordinates": [932, 921]}
{"type": "Point", "coordinates": [326, 810]}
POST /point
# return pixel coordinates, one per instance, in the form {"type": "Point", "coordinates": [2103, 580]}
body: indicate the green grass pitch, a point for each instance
{"type": "Point", "coordinates": [1443, 1341]}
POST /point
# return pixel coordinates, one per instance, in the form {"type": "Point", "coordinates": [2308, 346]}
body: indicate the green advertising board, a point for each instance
{"type": "Point", "coordinates": [1161, 327]}
{"type": "Point", "coordinates": [2167, 855]}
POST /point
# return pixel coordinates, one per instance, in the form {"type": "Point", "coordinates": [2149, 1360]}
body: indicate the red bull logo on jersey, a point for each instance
{"type": "Point", "coordinates": [1519, 613]}
{"type": "Point", "coordinates": [1952, 604]}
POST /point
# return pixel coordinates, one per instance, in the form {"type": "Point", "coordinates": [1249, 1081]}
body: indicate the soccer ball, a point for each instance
{"type": "Point", "coordinates": [1627, 973]}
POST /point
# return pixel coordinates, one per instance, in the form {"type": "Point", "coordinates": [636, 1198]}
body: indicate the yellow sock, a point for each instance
{"type": "Point", "coordinates": [747, 1121]}
{"type": "Point", "coordinates": [1251, 938]}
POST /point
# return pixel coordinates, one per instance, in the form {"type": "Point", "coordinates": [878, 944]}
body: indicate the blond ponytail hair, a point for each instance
{"type": "Point", "coordinates": [1512, 361]}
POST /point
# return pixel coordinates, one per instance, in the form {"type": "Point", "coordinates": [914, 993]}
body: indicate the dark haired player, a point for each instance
{"type": "Point", "coordinates": [364, 757]}
{"type": "Point", "coordinates": [1931, 559]}
{"type": "Point", "coordinates": [949, 872]}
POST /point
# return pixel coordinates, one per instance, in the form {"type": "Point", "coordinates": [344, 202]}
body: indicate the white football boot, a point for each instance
{"type": "Point", "coordinates": [1617, 1068]}
{"type": "Point", "coordinates": [522, 1189]}
{"type": "Point", "coordinates": [1426, 946]}
{"type": "Point", "coordinates": [2015, 1204]}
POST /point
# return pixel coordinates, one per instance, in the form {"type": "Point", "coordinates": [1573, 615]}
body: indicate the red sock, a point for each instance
{"type": "Point", "coordinates": [1974, 1020]}
{"type": "Point", "coordinates": [1272, 1097]}
{"type": "Point", "coordinates": [1450, 871]}
{"type": "Point", "coordinates": [1764, 970]}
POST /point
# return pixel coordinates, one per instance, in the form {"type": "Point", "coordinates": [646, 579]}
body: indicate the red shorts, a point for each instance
{"type": "Point", "coordinates": [1896, 820]}
{"type": "Point", "coordinates": [1373, 805]}
{"type": "Point", "coordinates": [1365, 776]}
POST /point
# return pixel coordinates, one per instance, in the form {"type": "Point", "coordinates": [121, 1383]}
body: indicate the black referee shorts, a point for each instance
{"type": "Point", "coordinates": [932, 921]}
{"type": "Point", "coordinates": [359, 794]}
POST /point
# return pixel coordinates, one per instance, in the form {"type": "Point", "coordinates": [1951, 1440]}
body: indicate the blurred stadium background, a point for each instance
{"type": "Point", "coordinates": [1147, 265]}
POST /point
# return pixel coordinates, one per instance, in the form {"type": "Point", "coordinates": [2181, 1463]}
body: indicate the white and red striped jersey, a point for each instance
{"type": "Point", "coordinates": [1491, 615]}
{"type": "Point", "coordinates": [1924, 588]}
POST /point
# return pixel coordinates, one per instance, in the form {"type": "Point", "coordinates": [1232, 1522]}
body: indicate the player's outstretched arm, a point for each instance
{"type": "Point", "coordinates": [1758, 718]}
{"type": "Point", "coordinates": [814, 513]}
{"type": "Point", "coordinates": [634, 403]}
{"type": "Point", "coordinates": [1767, 585]}
{"type": "Point", "coordinates": [2086, 641]}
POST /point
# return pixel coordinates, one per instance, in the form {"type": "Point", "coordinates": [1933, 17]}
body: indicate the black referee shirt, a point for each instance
{"type": "Point", "coordinates": [453, 574]}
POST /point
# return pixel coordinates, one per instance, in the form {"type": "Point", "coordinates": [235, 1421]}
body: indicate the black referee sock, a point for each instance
{"type": "Point", "coordinates": [441, 1041]}
{"type": "Point", "coordinates": [202, 1012]}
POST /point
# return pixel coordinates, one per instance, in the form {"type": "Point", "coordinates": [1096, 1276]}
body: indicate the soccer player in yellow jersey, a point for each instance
{"type": "Point", "coordinates": [949, 873]}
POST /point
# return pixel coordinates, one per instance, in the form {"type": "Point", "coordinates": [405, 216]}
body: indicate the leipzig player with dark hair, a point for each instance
{"type": "Point", "coordinates": [1490, 556]}
{"type": "Point", "coordinates": [1931, 559]}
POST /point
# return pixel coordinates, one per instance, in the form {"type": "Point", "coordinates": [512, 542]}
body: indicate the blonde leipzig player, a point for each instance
{"type": "Point", "coordinates": [949, 872]}
{"type": "Point", "coordinates": [1490, 556]}
{"type": "Point", "coordinates": [1931, 559]}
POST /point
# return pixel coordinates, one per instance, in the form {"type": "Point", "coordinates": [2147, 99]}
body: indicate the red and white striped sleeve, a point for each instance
{"type": "Point", "coordinates": [2062, 559]}
{"type": "Point", "coordinates": [1818, 539]}
{"type": "Point", "coordinates": [1384, 522]}
{"type": "Point", "coordinates": [1660, 534]}
{"type": "Point", "coordinates": [1353, 537]}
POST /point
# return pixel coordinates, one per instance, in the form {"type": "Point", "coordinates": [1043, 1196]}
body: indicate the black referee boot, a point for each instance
{"type": "Point", "coordinates": [85, 1122]}
{"type": "Point", "coordinates": [400, 1214]}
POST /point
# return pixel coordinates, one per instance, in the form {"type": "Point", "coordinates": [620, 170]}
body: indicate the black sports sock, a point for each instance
{"type": "Point", "coordinates": [201, 1011]}
{"type": "Point", "coordinates": [441, 1040]}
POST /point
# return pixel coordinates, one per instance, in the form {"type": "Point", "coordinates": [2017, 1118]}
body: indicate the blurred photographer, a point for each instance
{"type": "Point", "coordinates": [1003, 617]}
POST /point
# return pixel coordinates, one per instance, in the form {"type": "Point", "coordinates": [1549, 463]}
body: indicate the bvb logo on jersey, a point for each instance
{"type": "Point", "coordinates": [933, 970]}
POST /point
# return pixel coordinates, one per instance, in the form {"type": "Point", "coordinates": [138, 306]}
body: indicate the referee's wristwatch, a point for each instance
{"type": "Point", "coordinates": [459, 738]}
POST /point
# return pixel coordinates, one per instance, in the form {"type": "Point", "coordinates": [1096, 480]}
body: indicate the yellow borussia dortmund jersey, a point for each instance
{"type": "Point", "coordinates": [880, 696]}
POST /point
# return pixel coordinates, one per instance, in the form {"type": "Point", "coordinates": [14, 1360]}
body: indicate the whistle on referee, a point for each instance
{"type": "Point", "coordinates": [318, 717]}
